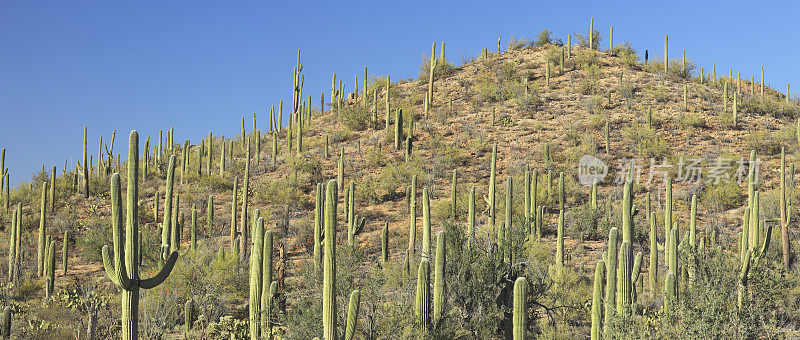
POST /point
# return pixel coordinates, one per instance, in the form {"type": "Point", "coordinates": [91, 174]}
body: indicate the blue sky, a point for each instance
{"type": "Point", "coordinates": [202, 65]}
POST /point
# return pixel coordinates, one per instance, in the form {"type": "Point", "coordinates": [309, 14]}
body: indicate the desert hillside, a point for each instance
{"type": "Point", "coordinates": [449, 198]}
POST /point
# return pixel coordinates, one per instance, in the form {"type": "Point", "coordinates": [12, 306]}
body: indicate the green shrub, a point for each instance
{"type": "Point", "coordinates": [355, 117]}
{"type": "Point", "coordinates": [543, 38]}
{"type": "Point", "coordinates": [95, 236]}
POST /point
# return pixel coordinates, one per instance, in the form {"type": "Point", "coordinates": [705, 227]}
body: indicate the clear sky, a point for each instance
{"type": "Point", "coordinates": [202, 65]}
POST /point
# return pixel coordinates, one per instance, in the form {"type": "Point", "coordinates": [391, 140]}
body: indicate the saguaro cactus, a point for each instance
{"type": "Point", "coordinates": [520, 308]}
{"type": "Point", "coordinates": [611, 278]}
{"type": "Point", "coordinates": [319, 225]}
{"type": "Point", "coordinates": [50, 266]}
{"type": "Point", "coordinates": [166, 223]}
{"type": "Point", "coordinates": [438, 283]}
{"type": "Point", "coordinates": [188, 316]}
{"type": "Point", "coordinates": [493, 188]}
{"type": "Point", "coordinates": [471, 217]}
{"type": "Point", "coordinates": [669, 294]}
{"type": "Point", "coordinates": [256, 278]}
{"type": "Point", "coordinates": [653, 268]}
{"type": "Point", "coordinates": [124, 270]}
{"type": "Point", "coordinates": [352, 315]}
{"type": "Point", "coordinates": [422, 304]}
{"type": "Point", "coordinates": [65, 251]}
{"type": "Point", "coordinates": [426, 224]}
{"type": "Point", "coordinates": [624, 278]}
{"type": "Point", "coordinates": [597, 299]}
{"type": "Point", "coordinates": [40, 249]}
{"type": "Point", "coordinates": [245, 194]}
{"type": "Point", "coordinates": [5, 328]}
{"type": "Point", "coordinates": [329, 271]}
{"type": "Point", "coordinates": [385, 243]}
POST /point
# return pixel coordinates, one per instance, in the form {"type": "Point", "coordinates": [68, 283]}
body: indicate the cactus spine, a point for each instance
{"type": "Point", "coordinates": [126, 274]}
{"type": "Point", "coordinates": [329, 275]}
{"type": "Point", "coordinates": [520, 308]}
{"type": "Point", "coordinates": [597, 299]}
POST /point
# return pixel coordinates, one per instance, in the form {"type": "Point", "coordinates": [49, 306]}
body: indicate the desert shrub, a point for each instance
{"type": "Point", "coordinates": [518, 44]}
{"type": "Point", "coordinates": [582, 221]}
{"type": "Point", "coordinates": [692, 119]}
{"type": "Point", "coordinates": [627, 55]}
{"type": "Point", "coordinates": [284, 191]}
{"type": "Point", "coordinates": [767, 106]}
{"type": "Point", "coordinates": [676, 69]}
{"type": "Point", "coordinates": [764, 142]}
{"type": "Point", "coordinates": [443, 69]}
{"type": "Point", "coordinates": [543, 38]}
{"type": "Point", "coordinates": [647, 142]}
{"type": "Point", "coordinates": [95, 236]}
{"type": "Point", "coordinates": [723, 196]}
{"type": "Point", "coordinates": [355, 117]}
{"type": "Point", "coordinates": [583, 39]}
{"type": "Point", "coordinates": [530, 102]}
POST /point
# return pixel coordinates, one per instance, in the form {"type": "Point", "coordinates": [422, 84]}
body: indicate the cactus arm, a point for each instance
{"type": "Point", "coordinates": [111, 271]}
{"type": "Point", "coordinates": [352, 315]}
{"type": "Point", "coordinates": [765, 245]}
{"type": "Point", "coordinates": [118, 270]}
{"type": "Point", "coordinates": [162, 275]}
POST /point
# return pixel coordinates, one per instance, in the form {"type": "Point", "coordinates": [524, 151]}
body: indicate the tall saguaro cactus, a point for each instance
{"type": "Point", "coordinates": [520, 308]}
{"type": "Point", "coordinates": [40, 249]}
{"type": "Point", "coordinates": [597, 299]}
{"type": "Point", "coordinates": [256, 278]}
{"type": "Point", "coordinates": [123, 270]}
{"type": "Point", "coordinates": [85, 167]}
{"type": "Point", "coordinates": [329, 271]}
{"type": "Point", "coordinates": [611, 278]}
{"type": "Point", "coordinates": [439, 279]}
{"type": "Point", "coordinates": [422, 303]}
{"type": "Point", "coordinates": [493, 188]}
{"type": "Point", "coordinates": [166, 223]}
